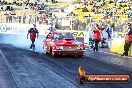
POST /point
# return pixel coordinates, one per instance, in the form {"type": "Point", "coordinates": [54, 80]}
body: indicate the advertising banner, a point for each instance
{"type": "Point", "coordinates": [14, 28]}
{"type": "Point", "coordinates": [77, 33]}
{"type": "Point", "coordinates": [8, 28]}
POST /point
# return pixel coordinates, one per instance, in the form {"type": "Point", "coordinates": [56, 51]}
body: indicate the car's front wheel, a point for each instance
{"type": "Point", "coordinates": [45, 49]}
{"type": "Point", "coordinates": [46, 53]}
{"type": "Point", "coordinates": [52, 53]}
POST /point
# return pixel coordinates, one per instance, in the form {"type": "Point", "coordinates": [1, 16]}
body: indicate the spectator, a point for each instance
{"type": "Point", "coordinates": [62, 9]}
{"type": "Point", "coordinates": [31, 19]}
{"type": "Point", "coordinates": [96, 10]}
{"type": "Point", "coordinates": [24, 18]}
{"type": "Point", "coordinates": [111, 14]}
{"type": "Point", "coordinates": [11, 9]}
{"type": "Point", "coordinates": [96, 38]}
{"type": "Point", "coordinates": [19, 19]}
{"type": "Point", "coordinates": [104, 3]}
{"type": "Point", "coordinates": [109, 31]}
{"type": "Point", "coordinates": [10, 18]}
{"type": "Point", "coordinates": [128, 41]}
{"type": "Point", "coordinates": [2, 8]}
{"type": "Point", "coordinates": [85, 3]}
{"type": "Point", "coordinates": [111, 2]}
{"type": "Point", "coordinates": [33, 35]}
{"type": "Point", "coordinates": [46, 0]}
{"type": "Point", "coordinates": [52, 28]}
{"type": "Point", "coordinates": [79, 1]}
{"type": "Point", "coordinates": [103, 42]}
{"type": "Point", "coordinates": [113, 26]}
{"type": "Point", "coordinates": [105, 16]}
{"type": "Point", "coordinates": [53, 1]}
{"type": "Point", "coordinates": [85, 9]}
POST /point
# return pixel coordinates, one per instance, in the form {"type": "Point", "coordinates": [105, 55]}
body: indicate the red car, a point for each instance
{"type": "Point", "coordinates": [57, 43]}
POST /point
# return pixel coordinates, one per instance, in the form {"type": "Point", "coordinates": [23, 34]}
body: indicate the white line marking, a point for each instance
{"type": "Point", "coordinates": [3, 56]}
{"type": "Point", "coordinates": [11, 70]}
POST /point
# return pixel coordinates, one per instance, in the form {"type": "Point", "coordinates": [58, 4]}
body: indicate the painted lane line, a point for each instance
{"type": "Point", "coordinates": [3, 56]}
{"type": "Point", "coordinates": [11, 70]}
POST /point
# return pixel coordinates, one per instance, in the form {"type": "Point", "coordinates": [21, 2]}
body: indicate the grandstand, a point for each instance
{"type": "Point", "coordinates": [96, 10]}
{"type": "Point", "coordinates": [20, 7]}
{"type": "Point", "coordinates": [103, 9]}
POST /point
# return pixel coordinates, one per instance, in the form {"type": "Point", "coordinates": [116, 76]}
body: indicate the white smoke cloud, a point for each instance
{"type": "Point", "coordinates": [21, 41]}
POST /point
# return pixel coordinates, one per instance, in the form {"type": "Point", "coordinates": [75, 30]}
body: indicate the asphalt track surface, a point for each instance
{"type": "Point", "coordinates": [21, 68]}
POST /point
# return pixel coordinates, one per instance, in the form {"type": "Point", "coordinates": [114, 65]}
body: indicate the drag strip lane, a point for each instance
{"type": "Point", "coordinates": [6, 76]}
{"type": "Point", "coordinates": [35, 65]}
{"type": "Point", "coordinates": [29, 75]}
{"type": "Point", "coordinates": [60, 66]}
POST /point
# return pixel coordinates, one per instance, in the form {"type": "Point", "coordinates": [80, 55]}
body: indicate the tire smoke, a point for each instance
{"type": "Point", "coordinates": [21, 41]}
